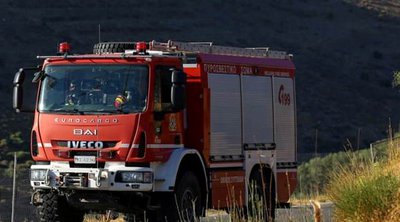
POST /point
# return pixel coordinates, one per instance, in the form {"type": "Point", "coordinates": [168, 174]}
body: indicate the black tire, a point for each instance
{"type": "Point", "coordinates": [187, 194]}
{"type": "Point", "coordinates": [261, 194]}
{"type": "Point", "coordinates": [56, 209]}
{"type": "Point", "coordinates": [112, 47]}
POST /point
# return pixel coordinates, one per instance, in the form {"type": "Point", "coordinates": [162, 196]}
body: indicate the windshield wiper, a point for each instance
{"type": "Point", "coordinates": [75, 110]}
{"type": "Point", "coordinates": [110, 111]}
{"type": "Point", "coordinates": [80, 112]}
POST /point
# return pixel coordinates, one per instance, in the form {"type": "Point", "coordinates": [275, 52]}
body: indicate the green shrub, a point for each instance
{"type": "Point", "coordinates": [314, 175]}
{"type": "Point", "coordinates": [363, 195]}
{"type": "Point", "coordinates": [16, 138]}
{"type": "Point", "coordinates": [366, 190]}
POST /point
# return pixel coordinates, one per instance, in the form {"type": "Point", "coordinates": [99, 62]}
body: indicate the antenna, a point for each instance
{"type": "Point", "coordinates": [99, 33]}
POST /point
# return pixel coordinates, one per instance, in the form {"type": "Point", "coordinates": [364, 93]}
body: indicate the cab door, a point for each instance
{"type": "Point", "coordinates": [168, 123]}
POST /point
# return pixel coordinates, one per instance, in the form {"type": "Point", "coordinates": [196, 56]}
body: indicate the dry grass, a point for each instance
{"type": "Point", "coordinates": [304, 200]}
{"type": "Point", "coordinates": [368, 191]}
{"type": "Point", "coordinates": [101, 218]}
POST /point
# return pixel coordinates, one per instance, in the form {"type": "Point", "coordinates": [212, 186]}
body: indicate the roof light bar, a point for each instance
{"type": "Point", "coordinates": [141, 47]}
{"type": "Point", "coordinates": [64, 48]}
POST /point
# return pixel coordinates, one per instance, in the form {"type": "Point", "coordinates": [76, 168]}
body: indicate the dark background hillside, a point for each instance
{"type": "Point", "coordinates": [345, 51]}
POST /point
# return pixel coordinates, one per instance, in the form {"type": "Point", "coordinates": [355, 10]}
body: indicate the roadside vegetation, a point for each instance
{"type": "Point", "coordinates": [10, 145]}
{"type": "Point", "coordinates": [316, 174]}
{"type": "Point", "coordinates": [364, 185]}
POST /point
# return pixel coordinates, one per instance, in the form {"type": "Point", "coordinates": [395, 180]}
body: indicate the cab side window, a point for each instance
{"type": "Point", "coordinates": [162, 92]}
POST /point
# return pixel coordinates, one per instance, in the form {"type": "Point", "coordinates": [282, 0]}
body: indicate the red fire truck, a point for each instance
{"type": "Point", "coordinates": [169, 129]}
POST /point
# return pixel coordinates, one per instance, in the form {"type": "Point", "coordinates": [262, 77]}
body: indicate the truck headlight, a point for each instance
{"type": "Point", "coordinates": [134, 177]}
{"type": "Point", "coordinates": [38, 175]}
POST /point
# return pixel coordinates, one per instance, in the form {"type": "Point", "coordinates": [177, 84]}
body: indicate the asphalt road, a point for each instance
{"type": "Point", "coordinates": [303, 213]}
{"type": "Point", "coordinates": [298, 213]}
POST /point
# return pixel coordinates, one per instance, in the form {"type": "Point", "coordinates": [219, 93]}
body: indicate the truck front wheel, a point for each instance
{"type": "Point", "coordinates": [56, 208]}
{"type": "Point", "coordinates": [188, 199]}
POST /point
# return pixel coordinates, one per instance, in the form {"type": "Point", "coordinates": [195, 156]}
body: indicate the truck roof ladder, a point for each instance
{"type": "Point", "coordinates": [210, 48]}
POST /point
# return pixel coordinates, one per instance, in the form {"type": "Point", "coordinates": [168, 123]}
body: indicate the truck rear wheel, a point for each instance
{"type": "Point", "coordinates": [112, 47]}
{"type": "Point", "coordinates": [188, 204]}
{"type": "Point", "coordinates": [56, 208]}
{"type": "Point", "coordinates": [261, 201]}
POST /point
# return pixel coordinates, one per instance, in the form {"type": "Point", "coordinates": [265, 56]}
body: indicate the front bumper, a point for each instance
{"type": "Point", "coordinates": [59, 175]}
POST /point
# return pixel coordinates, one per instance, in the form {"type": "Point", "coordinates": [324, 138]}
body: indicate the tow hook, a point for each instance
{"type": "Point", "coordinates": [36, 198]}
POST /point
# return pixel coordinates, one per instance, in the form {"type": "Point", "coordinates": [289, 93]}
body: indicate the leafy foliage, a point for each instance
{"type": "Point", "coordinates": [10, 145]}
{"type": "Point", "coordinates": [21, 168]}
{"type": "Point", "coordinates": [364, 196]}
{"type": "Point", "coordinates": [396, 79]}
{"type": "Point", "coordinates": [364, 185]}
{"type": "Point", "coordinates": [315, 174]}
{"type": "Point", "coordinates": [367, 191]}
{"type": "Point", "coordinates": [15, 138]}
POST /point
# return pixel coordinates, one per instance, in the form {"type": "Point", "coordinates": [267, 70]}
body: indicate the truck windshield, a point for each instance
{"type": "Point", "coordinates": [84, 89]}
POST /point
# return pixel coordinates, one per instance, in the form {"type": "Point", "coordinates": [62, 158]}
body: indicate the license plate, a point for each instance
{"type": "Point", "coordinates": [85, 159]}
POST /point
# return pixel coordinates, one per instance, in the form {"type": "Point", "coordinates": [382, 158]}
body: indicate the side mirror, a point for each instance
{"type": "Point", "coordinates": [24, 92]}
{"type": "Point", "coordinates": [178, 91]}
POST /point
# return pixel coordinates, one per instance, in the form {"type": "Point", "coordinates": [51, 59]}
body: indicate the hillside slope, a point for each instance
{"type": "Point", "coordinates": [345, 51]}
{"type": "Point", "coordinates": [384, 7]}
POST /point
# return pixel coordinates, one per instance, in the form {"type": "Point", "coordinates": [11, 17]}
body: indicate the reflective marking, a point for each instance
{"type": "Point", "coordinates": [39, 145]}
{"type": "Point", "coordinates": [47, 145]}
{"type": "Point", "coordinates": [124, 145]}
{"type": "Point", "coordinates": [190, 65]}
{"type": "Point", "coordinates": [159, 146]}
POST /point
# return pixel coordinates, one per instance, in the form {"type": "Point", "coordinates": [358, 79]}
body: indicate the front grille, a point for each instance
{"type": "Point", "coordinates": [83, 153]}
{"type": "Point", "coordinates": [135, 164]}
{"type": "Point", "coordinates": [96, 165]}
{"type": "Point", "coordinates": [75, 180]}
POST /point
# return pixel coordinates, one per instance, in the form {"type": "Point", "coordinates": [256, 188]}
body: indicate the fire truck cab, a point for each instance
{"type": "Point", "coordinates": [170, 129]}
